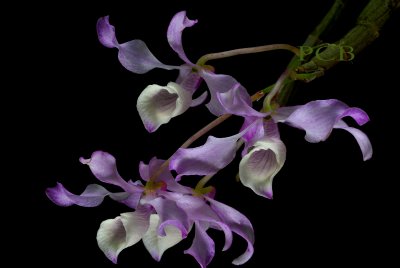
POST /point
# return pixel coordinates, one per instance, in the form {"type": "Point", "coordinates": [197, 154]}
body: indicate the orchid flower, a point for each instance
{"type": "Point", "coordinates": [318, 118]}
{"type": "Point", "coordinates": [165, 212]}
{"type": "Point", "coordinates": [159, 225]}
{"type": "Point", "coordinates": [158, 104]}
{"type": "Point", "coordinates": [264, 153]}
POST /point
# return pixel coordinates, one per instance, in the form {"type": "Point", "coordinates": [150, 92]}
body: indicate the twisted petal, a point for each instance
{"type": "Point", "coordinates": [203, 247]}
{"type": "Point", "coordinates": [259, 166]}
{"type": "Point", "coordinates": [188, 78]}
{"type": "Point", "coordinates": [129, 199]}
{"type": "Point", "coordinates": [106, 32]}
{"type": "Point", "coordinates": [199, 100]}
{"type": "Point", "coordinates": [281, 114]}
{"type": "Point", "coordinates": [146, 171]}
{"type": "Point", "coordinates": [103, 167]}
{"type": "Point", "coordinates": [318, 118]}
{"type": "Point", "coordinates": [133, 55]}
{"type": "Point", "coordinates": [174, 34]}
{"type": "Point", "coordinates": [157, 104]}
{"type": "Point", "coordinates": [114, 235]}
{"type": "Point", "coordinates": [239, 224]}
{"type": "Point", "coordinates": [259, 129]}
{"type": "Point", "coordinates": [198, 210]}
{"type": "Point", "coordinates": [91, 197]}
{"type": "Point", "coordinates": [137, 58]}
{"type": "Point", "coordinates": [207, 159]}
{"type": "Point", "coordinates": [361, 138]}
{"type": "Point", "coordinates": [155, 244]}
{"type": "Point", "coordinates": [237, 101]}
{"type": "Point", "coordinates": [170, 215]}
{"type": "Point", "coordinates": [256, 132]}
{"type": "Point", "coordinates": [228, 96]}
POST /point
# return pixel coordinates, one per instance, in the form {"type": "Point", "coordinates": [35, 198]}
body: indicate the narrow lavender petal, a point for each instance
{"type": "Point", "coordinates": [129, 199]}
{"type": "Point", "coordinates": [362, 139]}
{"type": "Point", "coordinates": [199, 100]}
{"type": "Point", "coordinates": [174, 186]}
{"type": "Point", "coordinates": [256, 132]}
{"type": "Point", "coordinates": [104, 168]}
{"type": "Point", "coordinates": [133, 55]}
{"type": "Point", "coordinates": [217, 83]}
{"type": "Point", "coordinates": [92, 196]}
{"type": "Point", "coordinates": [228, 96]}
{"type": "Point", "coordinates": [157, 105]}
{"type": "Point", "coordinates": [238, 102]}
{"type": "Point", "coordinates": [146, 171]}
{"type": "Point", "coordinates": [198, 210]}
{"type": "Point", "coordinates": [155, 244]}
{"type": "Point", "coordinates": [281, 114]}
{"type": "Point", "coordinates": [238, 224]}
{"type": "Point", "coordinates": [106, 32]}
{"type": "Point", "coordinates": [154, 165]}
{"type": "Point", "coordinates": [271, 129]}
{"type": "Point", "coordinates": [318, 118]}
{"type": "Point", "coordinates": [258, 167]}
{"type": "Point", "coordinates": [174, 34]}
{"type": "Point", "coordinates": [136, 57]}
{"type": "Point", "coordinates": [207, 159]}
{"type": "Point", "coordinates": [203, 247]}
{"type": "Point", "coordinates": [359, 115]}
{"type": "Point", "coordinates": [260, 129]}
{"type": "Point", "coordinates": [188, 79]}
{"type": "Point", "coordinates": [170, 215]}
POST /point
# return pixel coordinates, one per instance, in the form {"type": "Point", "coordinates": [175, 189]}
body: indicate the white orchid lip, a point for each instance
{"type": "Point", "coordinates": [258, 167]}
{"type": "Point", "coordinates": [158, 104]}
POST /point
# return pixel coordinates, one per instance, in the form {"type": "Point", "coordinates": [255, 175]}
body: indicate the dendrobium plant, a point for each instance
{"type": "Point", "coordinates": [161, 210]}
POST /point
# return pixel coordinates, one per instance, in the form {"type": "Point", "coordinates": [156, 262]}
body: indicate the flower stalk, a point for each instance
{"type": "Point", "coordinates": [248, 50]}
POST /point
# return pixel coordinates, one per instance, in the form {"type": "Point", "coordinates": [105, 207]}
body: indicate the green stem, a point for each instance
{"type": "Point", "coordinates": [369, 23]}
{"type": "Point", "coordinates": [249, 50]}
{"type": "Point", "coordinates": [313, 38]}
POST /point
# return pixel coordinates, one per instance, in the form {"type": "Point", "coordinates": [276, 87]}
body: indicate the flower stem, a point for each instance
{"type": "Point", "coordinates": [313, 38]}
{"type": "Point", "coordinates": [248, 50]}
{"type": "Point", "coordinates": [205, 129]}
{"type": "Point", "coordinates": [366, 30]}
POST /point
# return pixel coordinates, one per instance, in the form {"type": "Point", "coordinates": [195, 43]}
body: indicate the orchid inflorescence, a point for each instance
{"type": "Point", "coordinates": [164, 210]}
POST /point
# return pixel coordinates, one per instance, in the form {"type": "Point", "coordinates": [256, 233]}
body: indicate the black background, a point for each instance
{"type": "Point", "coordinates": [329, 206]}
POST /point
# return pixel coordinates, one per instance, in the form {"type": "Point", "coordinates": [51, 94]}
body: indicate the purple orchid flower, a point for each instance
{"type": "Point", "coordinates": [264, 153]}
{"type": "Point", "coordinates": [165, 212]}
{"type": "Point", "coordinates": [160, 225]}
{"type": "Point", "coordinates": [158, 104]}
